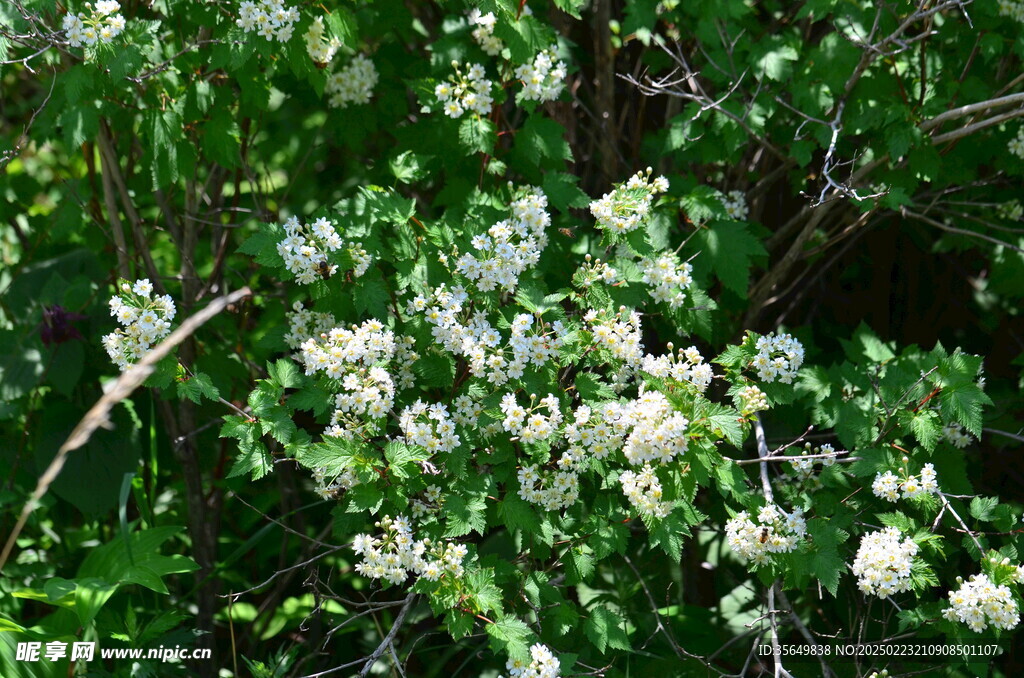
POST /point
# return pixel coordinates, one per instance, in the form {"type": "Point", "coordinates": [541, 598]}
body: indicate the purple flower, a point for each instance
{"type": "Point", "coordinates": [57, 327]}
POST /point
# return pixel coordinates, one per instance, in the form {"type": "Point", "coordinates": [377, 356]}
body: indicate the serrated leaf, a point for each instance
{"type": "Point", "coordinates": [927, 428]}
{"type": "Point", "coordinates": [510, 636]}
{"type": "Point", "coordinates": [284, 373]}
{"type": "Point", "coordinates": [729, 247]}
{"type": "Point", "coordinates": [464, 515]}
{"type": "Point", "coordinates": [604, 629]}
{"type": "Point", "coordinates": [476, 134]}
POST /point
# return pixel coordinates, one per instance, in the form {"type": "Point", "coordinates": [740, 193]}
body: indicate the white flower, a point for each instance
{"type": "Point", "coordinates": [629, 204]}
{"type": "Point", "coordinates": [469, 91]}
{"type": "Point", "coordinates": [778, 358]}
{"type": "Point", "coordinates": [668, 277]}
{"type": "Point", "coordinates": [955, 434]}
{"type": "Point", "coordinates": [146, 320]}
{"type": "Point", "coordinates": [979, 602]}
{"type": "Point", "coordinates": [774, 532]}
{"type": "Point", "coordinates": [1016, 145]}
{"type": "Point", "coordinates": [543, 664]}
{"type": "Point", "coordinates": [396, 554]}
{"type": "Point", "coordinates": [483, 31]}
{"type": "Point", "coordinates": [271, 19]}
{"type": "Point", "coordinates": [353, 84]}
{"type": "Point", "coordinates": [883, 562]}
{"type": "Point", "coordinates": [735, 203]}
{"type": "Point", "coordinates": [321, 51]}
{"type": "Point", "coordinates": [511, 246]}
{"type": "Point", "coordinates": [543, 78]}
{"type": "Point", "coordinates": [103, 24]}
{"type": "Point", "coordinates": [354, 357]}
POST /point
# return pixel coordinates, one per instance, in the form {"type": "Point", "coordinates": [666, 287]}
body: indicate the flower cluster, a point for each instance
{"type": "Point", "coordinates": [543, 78]}
{"type": "Point", "coordinates": [1013, 9]}
{"type": "Point", "coordinates": [483, 31]}
{"type": "Point", "coordinates": [551, 490]}
{"type": "Point", "coordinates": [304, 323]}
{"type": "Point", "coordinates": [1016, 145]}
{"type": "Point", "coordinates": [395, 555]}
{"type": "Point", "coordinates": [888, 485]}
{"type": "Point", "coordinates": [954, 433]}
{"type": "Point", "coordinates": [353, 84]}
{"type": "Point", "coordinates": [465, 92]}
{"type": "Point", "coordinates": [979, 602]}
{"type": "Point", "coordinates": [686, 365]}
{"type": "Point", "coordinates": [883, 562]}
{"type": "Point", "coordinates": [1010, 210]}
{"type": "Point", "coordinates": [429, 426]}
{"type": "Point", "coordinates": [774, 532]}
{"type": "Point", "coordinates": [751, 399]}
{"type": "Point", "coordinates": [430, 504]}
{"type": "Point", "coordinates": [669, 278]}
{"type": "Point", "coordinates": [659, 432]}
{"type": "Point", "coordinates": [472, 336]}
{"type": "Point", "coordinates": [354, 357]}
{"type": "Point", "coordinates": [778, 357]}
{"type": "Point", "coordinates": [321, 51]}
{"type": "Point", "coordinates": [328, 487]}
{"type": "Point", "coordinates": [102, 24]}
{"type": "Point", "coordinates": [628, 205]}
{"type": "Point", "coordinates": [269, 18]}
{"type": "Point", "coordinates": [597, 431]}
{"type": "Point", "coordinates": [594, 270]}
{"type": "Point", "coordinates": [510, 246]}
{"type": "Point", "coordinates": [528, 423]}
{"type": "Point", "coordinates": [735, 204]}
{"type": "Point", "coordinates": [305, 247]}
{"type": "Point", "coordinates": [805, 467]}
{"type": "Point", "coordinates": [146, 320]}
{"type": "Point", "coordinates": [643, 490]}
{"type": "Point", "coordinates": [543, 664]}
{"type": "Point", "coordinates": [619, 333]}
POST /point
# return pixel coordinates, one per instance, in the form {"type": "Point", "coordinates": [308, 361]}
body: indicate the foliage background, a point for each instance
{"type": "Point", "coordinates": [159, 157]}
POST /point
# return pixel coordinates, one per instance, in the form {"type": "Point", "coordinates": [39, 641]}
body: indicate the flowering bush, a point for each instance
{"type": "Point", "coordinates": [458, 380]}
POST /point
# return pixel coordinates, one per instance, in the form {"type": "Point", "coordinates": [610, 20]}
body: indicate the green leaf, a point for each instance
{"type": "Point", "coordinates": [476, 134]}
{"type": "Point", "coordinates": [927, 428]}
{"type": "Point", "coordinates": [517, 514]}
{"type": "Point", "coordinates": [80, 123]}
{"type": "Point", "coordinates": [255, 459]}
{"type": "Point", "coordinates": [777, 64]}
{"type": "Point", "coordinates": [962, 403]}
{"type": "Point", "coordinates": [196, 387]}
{"type": "Point", "coordinates": [592, 389]}
{"type": "Point", "coordinates": [284, 373]}
{"type": "Point", "coordinates": [110, 563]}
{"type": "Point", "coordinates": [386, 205]}
{"type": "Point", "coordinates": [464, 515]}
{"type": "Point", "coordinates": [542, 138]}
{"type": "Point", "coordinates": [92, 593]}
{"type": "Point", "coordinates": [571, 7]}
{"type": "Point", "coordinates": [604, 629]}
{"type": "Point", "coordinates": [509, 636]}
{"type": "Point", "coordinates": [480, 586]}
{"type": "Point", "coordinates": [900, 521]}
{"type": "Point", "coordinates": [579, 565]}
{"type": "Point", "coordinates": [729, 247]}
{"type": "Point", "coordinates": [702, 204]}
{"type": "Point", "coordinates": [562, 191]}
{"type": "Point", "coordinates": [983, 508]}
{"type": "Point", "coordinates": [220, 136]}
{"type": "Point", "coordinates": [342, 25]}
